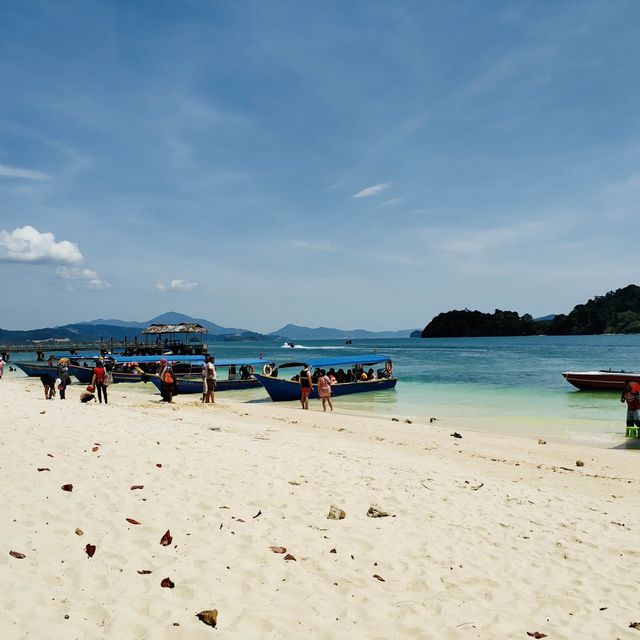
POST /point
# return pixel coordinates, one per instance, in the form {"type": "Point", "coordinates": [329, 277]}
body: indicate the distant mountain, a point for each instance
{"type": "Point", "coordinates": [106, 329]}
{"type": "Point", "coordinates": [295, 332]}
{"type": "Point", "coordinates": [548, 318]}
{"type": "Point", "coordinates": [171, 317]}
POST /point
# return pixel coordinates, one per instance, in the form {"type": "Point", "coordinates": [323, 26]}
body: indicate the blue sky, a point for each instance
{"type": "Point", "coordinates": [350, 164]}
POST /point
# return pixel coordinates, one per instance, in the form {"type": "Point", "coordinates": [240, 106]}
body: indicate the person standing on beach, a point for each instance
{"type": "Point", "coordinates": [324, 391]}
{"type": "Point", "coordinates": [306, 386]}
{"type": "Point", "coordinates": [1, 367]}
{"type": "Point", "coordinates": [167, 381]}
{"type": "Point", "coordinates": [210, 379]}
{"type": "Point", "coordinates": [97, 381]}
{"type": "Point", "coordinates": [631, 396]}
{"type": "Point", "coordinates": [48, 383]}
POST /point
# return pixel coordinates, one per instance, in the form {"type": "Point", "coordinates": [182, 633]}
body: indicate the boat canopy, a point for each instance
{"type": "Point", "coordinates": [341, 361]}
{"type": "Point", "coordinates": [240, 362]}
{"type": "Point", "coordinates": [72, 356]}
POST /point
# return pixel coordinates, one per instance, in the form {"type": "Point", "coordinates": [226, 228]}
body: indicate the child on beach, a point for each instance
{"type": "Point", "coordinates": [87, 395]}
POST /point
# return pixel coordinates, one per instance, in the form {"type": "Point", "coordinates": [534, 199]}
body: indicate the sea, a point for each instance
{"type": "Point", "coordinates": [510, 385]}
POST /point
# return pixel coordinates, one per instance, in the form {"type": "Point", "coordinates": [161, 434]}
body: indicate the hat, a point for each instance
{"type": "Point", "coordinates": [163, 361]}
{"type": "Point", "coordinates": [90, 388]}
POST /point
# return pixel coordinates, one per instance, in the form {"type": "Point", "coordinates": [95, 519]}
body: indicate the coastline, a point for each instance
{"type": "Point", "coordinates": [477, 520]}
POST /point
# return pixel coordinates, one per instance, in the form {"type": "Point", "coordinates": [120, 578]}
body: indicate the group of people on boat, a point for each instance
{"type": "Point", "coordinates": [355, 374]}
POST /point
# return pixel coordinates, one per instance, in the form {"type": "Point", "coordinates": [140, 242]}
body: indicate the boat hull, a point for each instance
{"type": "Point", "coordinates": [85, 375]}
{"type": "Point", "coordinates": [35, 370]}
{"type": "Point", "coordinates": [282, 390]}
{"type": "Point", "coordinates": [195, 385]}
{"type": "Point", "coordinates": [600, 380]}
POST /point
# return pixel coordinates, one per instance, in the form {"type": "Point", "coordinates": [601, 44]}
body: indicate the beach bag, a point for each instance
{"type": "Point", "coordinates": [168, 377]}
{"type": "Point", "coordinates": [107, 380]}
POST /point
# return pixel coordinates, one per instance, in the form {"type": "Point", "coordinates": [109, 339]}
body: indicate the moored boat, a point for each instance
{"type": "Point", "coordinates": [600, 380]}
{"type": "Point", "coordinates": [233, 375]}
{"type": "Point", "coordinates": [35, 369]}
{"type": "Point", "coordinates": [281, 389]}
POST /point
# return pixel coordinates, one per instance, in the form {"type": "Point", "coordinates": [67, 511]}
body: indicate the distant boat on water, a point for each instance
{"type": "Point", "coordinates": [600, 380]}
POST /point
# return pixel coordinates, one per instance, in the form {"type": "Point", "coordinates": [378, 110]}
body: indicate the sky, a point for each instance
{"type": "Point", "coordinates": [346, 164]}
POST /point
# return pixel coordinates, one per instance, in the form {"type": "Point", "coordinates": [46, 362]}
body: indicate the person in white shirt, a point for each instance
{"type": "Point", "coordinates": [210, 380]}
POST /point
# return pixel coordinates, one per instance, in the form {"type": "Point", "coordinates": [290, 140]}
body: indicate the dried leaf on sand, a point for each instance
{"type": "Point", "coordinates": [166, 539]}
{"type": "Point", "coordinates": [210, 617]}
{"type": "Point", "coordinates": [278, 549]}
{"type": "Point", "coordinates": [167, 583]}
{"type": "Point", "coordinates": [132, 521]}
{"type": "Point", "coordinates": [67, 487]}
{"type": "Point", "coordinates": [90, 549]}
{"type": "Point", "coordinates": [377, 577]}
{"type": "Point", "coordinates": [17, 554]}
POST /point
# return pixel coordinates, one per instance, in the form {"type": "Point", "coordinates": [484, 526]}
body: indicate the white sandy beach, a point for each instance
{"type": "Point", "coordinates": [490, 536]}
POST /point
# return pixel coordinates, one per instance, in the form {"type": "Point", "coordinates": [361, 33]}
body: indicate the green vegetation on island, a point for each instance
{"type": "Point", "coordinates": [615, 312]}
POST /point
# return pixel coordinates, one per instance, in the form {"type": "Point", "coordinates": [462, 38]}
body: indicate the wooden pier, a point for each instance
{"type": "Point", "coordinates": [133, 347]}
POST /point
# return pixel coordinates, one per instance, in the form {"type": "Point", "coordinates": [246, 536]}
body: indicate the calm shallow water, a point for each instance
{"type": "Point", "coordinates": [512, 385]}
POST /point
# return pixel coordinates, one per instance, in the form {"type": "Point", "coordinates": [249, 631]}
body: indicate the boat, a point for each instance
{"type": "Point", "coordinates": [40, 368]}
{"type": "Point", "coordinates": [281, 389]}
{"type": "Point", "coordinates": [36, 369]}
{"type": "Point", "coordinates": [600, 380]}
{"type": "Point", "coordinates": [289, 345]}
{"type": "Point", "coordinates": [233, 375]}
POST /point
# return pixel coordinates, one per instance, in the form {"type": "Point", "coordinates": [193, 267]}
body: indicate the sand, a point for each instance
{"type": "Point", "coordinates": [489, 536]}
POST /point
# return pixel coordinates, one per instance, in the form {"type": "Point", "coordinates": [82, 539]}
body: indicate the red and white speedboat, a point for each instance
{"type": "Point", "coordinates": [600, 380]}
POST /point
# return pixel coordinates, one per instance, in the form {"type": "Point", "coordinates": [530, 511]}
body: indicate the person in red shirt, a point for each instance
{"type": "Point", "coordinates": [97, 381]}
{"type": "Point", "coordinates": [631, 396]}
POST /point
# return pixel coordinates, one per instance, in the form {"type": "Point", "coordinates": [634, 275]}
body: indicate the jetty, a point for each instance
{"type": "Point", "coordinates": [177, 339]}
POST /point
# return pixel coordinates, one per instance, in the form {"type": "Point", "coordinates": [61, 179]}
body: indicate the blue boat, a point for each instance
{"type": "Point", "coordinates": [36, 369]}
{"type": "Point", "coordinates": [85, 375]}
{"type": "Point", "coordinates": [240, 374]}
{"type": "Point", "coordinates": [134, 368]}
{"type": "Point", "coordinates": [281, 389]}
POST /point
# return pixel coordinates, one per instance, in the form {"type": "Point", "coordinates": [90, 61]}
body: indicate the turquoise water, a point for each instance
{"type": "Point", "coordinates": [512, 385]}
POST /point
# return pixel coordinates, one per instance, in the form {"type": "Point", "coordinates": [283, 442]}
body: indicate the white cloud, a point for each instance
{"type": "Point", "coordinates": [371, 191]}
{"type": "Point", "coordinates": [88, 278]}
{"type": "Point", "coordinates": [313, 246]}
{"type": "Point", "coordinates": [393, 201]}
{"type": "Point", "coordinates": [177, 285]}
{"type": "Point", "coordinates": [25, 174]}
{"type": "Point", "coordinates": [27, 244]}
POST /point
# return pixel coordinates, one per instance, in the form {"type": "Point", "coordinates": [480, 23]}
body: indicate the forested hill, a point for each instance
{"type": "Point", "coordinates": [615, 312]}
{"type": "Point", "coordinates": [459, 324]}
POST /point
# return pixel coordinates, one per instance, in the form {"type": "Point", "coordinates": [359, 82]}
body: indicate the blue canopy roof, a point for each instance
{"type": "Point", "coordinates": [342, 361]}
{"type": "Point", "coordinates": [240, 362]}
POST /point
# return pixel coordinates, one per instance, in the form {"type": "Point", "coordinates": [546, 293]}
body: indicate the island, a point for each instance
{"type": "Point", "coordinates": [615, 312]}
